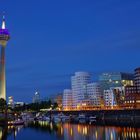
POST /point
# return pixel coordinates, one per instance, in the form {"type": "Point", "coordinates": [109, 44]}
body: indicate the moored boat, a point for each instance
{"type": "Point", "coordinates": [92, 119]}
{"type": "Point", "coordinates": [16, 122]}
{"type": "Point", "coordinates": [56, 119]}
{"type": "Point", "coordinates": [65, 118]}
{"type": "Point", "coordinates": [82, 118]}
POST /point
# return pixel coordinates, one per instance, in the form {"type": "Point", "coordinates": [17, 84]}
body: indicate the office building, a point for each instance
{"type": "Point", "coordinates": [11, 101]}
{"type": "Point", "coordinates": [36, 97]}
{"type": "Point", "coordinates": [115, 79]}
{"type": "Point", "coordinates": [132, 93]}
{"type": "Point", "coordinates": [79, 87]}
{"type": "Point", "coordinates": [58, 99]}
{"type": "Point", "coordinates": [67, 99]}
{"type": "Point", "coordinates": [94, 94]}
{"type": "Point", "coordinates": [137, 79]}
{"type": "Point", "coordinates": [109, 98]}
{"type": "Point", "coordinates": [114, 97]}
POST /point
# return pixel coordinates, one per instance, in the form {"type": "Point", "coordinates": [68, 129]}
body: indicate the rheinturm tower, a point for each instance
{"type": "Point", "coordinates": [4, 37]}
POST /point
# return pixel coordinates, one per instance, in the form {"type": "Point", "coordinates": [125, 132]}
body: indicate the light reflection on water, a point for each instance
{"type": "Point", "coordinates": [69, 131]}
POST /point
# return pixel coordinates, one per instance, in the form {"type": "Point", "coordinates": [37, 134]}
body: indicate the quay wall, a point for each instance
{"type": "Point", "coordinates": [117, 117]}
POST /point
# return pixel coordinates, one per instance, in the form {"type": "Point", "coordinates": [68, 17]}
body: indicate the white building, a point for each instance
{"type": "Point", "coordinates": [11, 101]}
{"type": "Point", "coordinates": [79, 87]}
{"type": "Point", "coordinates": [109, 98]}
{"type": "Point", "coordinates": [17, 104]}
{"type": "Point", "coordinates": [67, 99]}
{"type": "Point", "coordinates": [114, 96]}
{"type": "Point", "coordinates": [94, 94]}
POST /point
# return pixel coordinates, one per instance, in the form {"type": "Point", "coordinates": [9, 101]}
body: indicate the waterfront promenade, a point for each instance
{"type": "Point", "coordinates": [115, 117]}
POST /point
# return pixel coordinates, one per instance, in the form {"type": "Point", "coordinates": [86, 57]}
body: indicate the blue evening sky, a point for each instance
{"type": "Point", "coordinates": [51, 39]}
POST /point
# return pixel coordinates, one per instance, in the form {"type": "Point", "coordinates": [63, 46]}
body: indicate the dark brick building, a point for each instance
{"type": "Point", "coordinates": [132, 93]}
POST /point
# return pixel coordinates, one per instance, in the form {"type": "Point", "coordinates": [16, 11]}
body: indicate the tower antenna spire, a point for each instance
{"type": "Point", "coordinates": [3, 21]}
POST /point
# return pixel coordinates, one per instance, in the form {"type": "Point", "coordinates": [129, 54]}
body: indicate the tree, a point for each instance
{"type": "Point", "coordinates": [2, 104]}
{"type": "Point", "coordinates": [55, 105]}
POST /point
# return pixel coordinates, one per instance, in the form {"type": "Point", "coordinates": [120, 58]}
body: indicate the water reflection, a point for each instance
{"type": "Point", "coordinates": [69, 131]}
{"type": "Point", "coordinates": [10, 130]}
{"type": "Point", "coordinates": [14, 130]}
{"type": "Point", "coordinates": [3, 133]}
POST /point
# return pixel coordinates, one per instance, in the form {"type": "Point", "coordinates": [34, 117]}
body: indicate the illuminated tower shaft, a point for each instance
{"type": "Point", "coordinates": [2, 74]}
{"type": "Point", "coordinates": [4, 37]}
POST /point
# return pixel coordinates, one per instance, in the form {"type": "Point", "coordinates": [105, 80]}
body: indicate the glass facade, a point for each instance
{"type": "Point", "coordinates": [116, 79]}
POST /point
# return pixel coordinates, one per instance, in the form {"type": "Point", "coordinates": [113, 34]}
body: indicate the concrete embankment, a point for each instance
{"type": "Point", "coordinates": [110, 117]}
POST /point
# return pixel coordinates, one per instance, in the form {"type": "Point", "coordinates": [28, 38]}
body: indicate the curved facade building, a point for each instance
{"type": "Point", "coordinates": [79, 87]}
{"type": "Point", "coordinates": [94, 94]}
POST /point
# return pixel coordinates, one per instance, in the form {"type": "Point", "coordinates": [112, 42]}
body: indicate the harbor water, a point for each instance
{"type": "Point", "coordinates": [42, 130]}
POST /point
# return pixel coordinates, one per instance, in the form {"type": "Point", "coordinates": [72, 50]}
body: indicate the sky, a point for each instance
{"type": "Point", "coordinates": [52, 39]}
